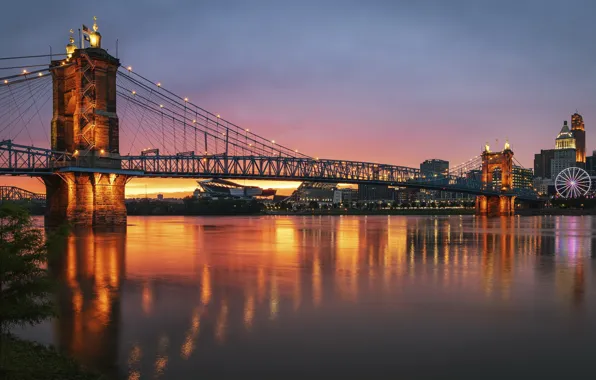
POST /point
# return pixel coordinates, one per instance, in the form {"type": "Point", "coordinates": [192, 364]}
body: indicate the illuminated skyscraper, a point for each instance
{"type": "Point", "coordinates": [565, 152]}
{"type": "Point", "coordinates": [579, 133]}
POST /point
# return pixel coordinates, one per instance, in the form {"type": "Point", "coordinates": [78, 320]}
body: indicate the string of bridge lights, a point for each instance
{"type": "Point", "coordinates": [186, 100]}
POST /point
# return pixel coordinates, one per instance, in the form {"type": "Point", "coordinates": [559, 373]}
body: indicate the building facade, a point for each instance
{"type": "Point", "coordinates": [565, 151]}
{"type": "Point", "coordinates": [313, 191]}
{"type": "Point", "coordinates": [522, 178]}
{"type": "Point", "coordinates": [591, 164]}
{"type": "Point", "coordinates": [542, 163]}
{"type": "Point", "coordinates": [346, 195]}
{"type": "Point", "coordinates": [375, 193]}
{"type": "Point", "coordinates": [434, 166]}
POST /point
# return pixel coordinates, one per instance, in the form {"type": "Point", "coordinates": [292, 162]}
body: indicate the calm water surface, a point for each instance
{"type": "Point", "coordinates": [311, 297]}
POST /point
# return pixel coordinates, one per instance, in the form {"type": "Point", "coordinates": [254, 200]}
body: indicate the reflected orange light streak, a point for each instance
{"type": "Point", "coordinates": [221, 323]}
{"type": "Point", "coordinates": [261, 284]}
{"type": "Point", "coordinates": [77, 300]}
{"type": "Point", "coordinates": [316, 282]}
{"type": "Point", "coordinates": [249, 310]}
{"type": "Point", "coordinates": [297, 294]}
{"type": "Point", "coordinates": [161, 361]}
{"type": "Point", "coordinates": [348, 245]}
{"type": "Point", "coordinates": [114, 270]}
{"type": "Point", "coordinates": [133, 360]}
{"type": "Point", "coordinates": [191, 335]}
{"type": "Point", "coordinates": [273, 297]}
{"type": "Point", "coordinates": [205, 286]}
{"type": "Point", "coordinates": [147, 298]}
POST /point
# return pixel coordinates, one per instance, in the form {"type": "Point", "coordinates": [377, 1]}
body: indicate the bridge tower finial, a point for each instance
{"type": "Point", "coordinates": [71, 47]}
{"type": "Point", "coordinates": [507, 146]}
{"type": "Point", "coordinates": [95, 36]}
{"type": "Point", "coordinates": [487, 147]}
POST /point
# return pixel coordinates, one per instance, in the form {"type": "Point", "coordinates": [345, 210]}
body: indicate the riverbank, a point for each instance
{"type": "Point", "coordinates": [555, 211]}
{"type": "Point", "coordinates": [455, 211]}
{"type": "Point", "coordinates": [24, 360]}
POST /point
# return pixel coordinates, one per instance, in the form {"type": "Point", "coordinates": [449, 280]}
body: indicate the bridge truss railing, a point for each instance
{"type": "Point", "coordinates": [13, 193]}
{"type": "Point", "coordinates": [289, 168]}
{"type": "Point", "coordinates": [22, 158]}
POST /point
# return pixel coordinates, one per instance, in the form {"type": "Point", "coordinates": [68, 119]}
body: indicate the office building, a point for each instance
{"type": "Point", "coordinates": [522, 177]}
{"type": "Point", "coordinates": [591, 164]}
{"type": "Point", "coordinates": [434, 166]}
{"type": "Point", "coordinates": [346, 195]}
{"type": "Point", "coordinates": [544, 186]}
{"type": "Point", "coordinates": [542, 163]}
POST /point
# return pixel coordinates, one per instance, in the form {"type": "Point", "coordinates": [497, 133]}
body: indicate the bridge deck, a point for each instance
{"type": "Point", "coordinates": [31, 161]}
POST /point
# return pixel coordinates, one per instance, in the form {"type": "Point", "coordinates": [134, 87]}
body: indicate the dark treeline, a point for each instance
{"type": "Point", "coordinates": [574, 203]}
{"type": "Point", "coordinates": [192, 206]}
{"type": "Point", "coordinates": [32, 207]}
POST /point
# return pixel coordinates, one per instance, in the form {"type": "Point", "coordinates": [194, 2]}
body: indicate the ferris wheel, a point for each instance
{"type": "Point", "coordinates": [573, 183]}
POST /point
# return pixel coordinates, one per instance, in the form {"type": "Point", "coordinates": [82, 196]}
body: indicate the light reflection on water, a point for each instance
{"type": "Point", "coordinates": [174, 297]}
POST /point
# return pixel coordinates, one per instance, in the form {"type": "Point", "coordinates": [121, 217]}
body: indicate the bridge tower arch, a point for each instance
{"type": "Point", "coordinates": [503, 202]}
{"type": "Point", "coordinates": [87, 189]}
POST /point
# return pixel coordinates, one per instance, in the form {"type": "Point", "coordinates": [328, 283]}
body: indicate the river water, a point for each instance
{"type": "Point", "coordinates": [327, 296]}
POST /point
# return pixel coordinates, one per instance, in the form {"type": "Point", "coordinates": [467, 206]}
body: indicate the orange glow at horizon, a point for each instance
{"type": "Point", "coordinates": [169, 187]}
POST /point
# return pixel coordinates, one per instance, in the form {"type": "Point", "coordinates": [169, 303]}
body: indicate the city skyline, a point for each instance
{"type": "Point", "coordinates": [402, 89]}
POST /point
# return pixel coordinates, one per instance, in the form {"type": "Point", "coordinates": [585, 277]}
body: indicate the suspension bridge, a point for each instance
{"type": "Point", "coordinates": [97, 103]}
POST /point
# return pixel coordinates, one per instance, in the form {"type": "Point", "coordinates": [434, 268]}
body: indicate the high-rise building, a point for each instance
{"type": "Point", "coordinates": [542, 162]}
{"type": "Point", "coordinates": [522, 177]}
{"type": "Point", "coordinates": [591, 164]}
{"type": "Point", "coordinates": [579, 134]}
{"type": "Point", "coordinates": [434, 166]}
{"type": "Point", "coordinates": [565, 152]}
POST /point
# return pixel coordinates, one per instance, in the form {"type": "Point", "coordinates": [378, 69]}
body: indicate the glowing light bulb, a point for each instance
{"type": "Point", "coordinates": [5, 81]}
{"type": "Point", "coordinates": [158, 84]}
{"type": "Point", "coordinates": [24, 71]}
{"type": "Point", "coordinates": [134, 92]}
{"type": "Point", "coordinates": [161, 106]}
{"type": "Point", "coordinates": [40, 74]}
{"type": "Point", "coordinates": [272, 141]}
{"type": "Point", "coordinates": [102, 151]}
{"type": "Point", "coordinates": [218, 116]}
{"type": "Point", "coordinates": [186, 99]}
{"type": "Point", "coordinates": [129, 68]}
{"type": "Point", "coordinates": [247, 130]}
{"type": "Point", "coordinates": [194, 121]}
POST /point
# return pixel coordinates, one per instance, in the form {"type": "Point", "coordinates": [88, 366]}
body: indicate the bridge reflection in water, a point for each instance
{"type": "Point", "coordinates": [168, 297]}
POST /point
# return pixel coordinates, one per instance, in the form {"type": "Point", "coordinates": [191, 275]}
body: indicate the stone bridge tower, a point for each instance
{"type": "Point", "coordinates": [88, 189]}
{"type": "Point", "coordinates": [503, 202]}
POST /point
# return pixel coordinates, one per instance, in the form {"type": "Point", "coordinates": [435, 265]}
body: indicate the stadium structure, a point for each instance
{"type": "Point", "coordinates": [220, 188]}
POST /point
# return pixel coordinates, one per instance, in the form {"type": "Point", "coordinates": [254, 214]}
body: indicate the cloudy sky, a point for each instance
{"type": "Point", "coordinates": [387, 81]}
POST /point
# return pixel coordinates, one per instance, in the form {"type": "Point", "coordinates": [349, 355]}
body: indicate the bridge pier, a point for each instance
{"type": "Point", "coordinates": [85, 199]}
{"type": "Point", "coordinates": [495, 205]}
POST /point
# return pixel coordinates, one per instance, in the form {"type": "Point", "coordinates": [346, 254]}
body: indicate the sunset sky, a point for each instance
{"type": "Point", "coordinates": [394, 82]}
